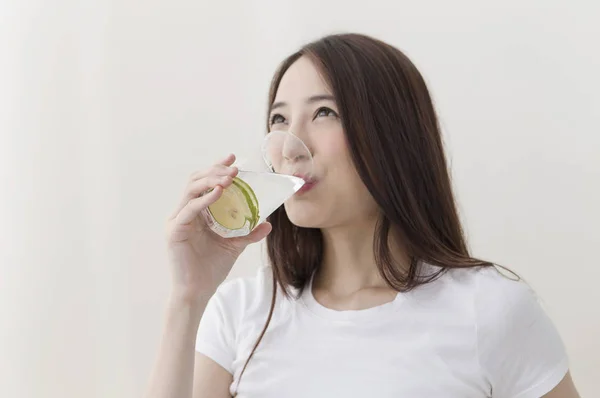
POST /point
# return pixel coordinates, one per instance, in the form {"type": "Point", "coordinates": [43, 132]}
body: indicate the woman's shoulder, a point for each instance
{"type": "Point", "coordinates": [499, 298]}
{"type": "Point", "coordinates": [499, 288]}
{"type": "Point", "coordinates": [489, 293]}
{"type": "Point", "coordinates": [243, 294]}
{"type": "Point", "coordinates": [518, 345]}
{"type": "Point", "coordinates": [495, 282]}
{"type": "Point", "coordinates": [236, 303]}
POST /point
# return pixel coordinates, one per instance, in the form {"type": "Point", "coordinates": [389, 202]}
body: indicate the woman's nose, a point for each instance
{"type": "Point", "coordinates": [294, 149]}
{"type": "Point", "coordinates": [287, 153]}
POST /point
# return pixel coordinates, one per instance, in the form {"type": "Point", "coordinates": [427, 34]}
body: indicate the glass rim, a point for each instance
{"type": "Point", "coordinates": [286, 133]}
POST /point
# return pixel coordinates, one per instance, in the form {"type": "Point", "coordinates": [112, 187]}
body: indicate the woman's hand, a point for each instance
{"type": "Point", "coordinates": [200, 259]}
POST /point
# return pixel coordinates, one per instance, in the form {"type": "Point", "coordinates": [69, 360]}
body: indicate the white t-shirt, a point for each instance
{"type": "Point", "coordinates": [473, 333]}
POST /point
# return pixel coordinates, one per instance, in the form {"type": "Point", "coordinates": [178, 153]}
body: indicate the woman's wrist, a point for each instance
{"type": "Point", "coordinates": [184, 305]}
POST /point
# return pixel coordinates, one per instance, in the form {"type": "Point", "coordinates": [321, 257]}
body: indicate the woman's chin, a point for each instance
{"type": "Point", "coordinates": [303, 217]}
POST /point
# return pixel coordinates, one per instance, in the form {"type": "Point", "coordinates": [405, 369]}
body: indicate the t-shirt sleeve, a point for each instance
{"type": "Point", "coordinates": [519, 348]}
{"type": "Point", "coordinates": [216, 336]}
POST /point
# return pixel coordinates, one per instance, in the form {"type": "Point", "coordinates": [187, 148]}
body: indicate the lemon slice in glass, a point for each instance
{"type": "Point", "coordinates": [237, 208]}
{"type": "Point", "coordinates": [250, 199]}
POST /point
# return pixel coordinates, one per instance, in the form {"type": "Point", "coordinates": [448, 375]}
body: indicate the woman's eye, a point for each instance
{"type": "Point", "coordinates": [276, 119]}
{"type": "Point", "coordinates": [324, 111]}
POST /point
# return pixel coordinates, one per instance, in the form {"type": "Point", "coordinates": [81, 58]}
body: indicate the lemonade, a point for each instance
{"type": "Point", "coordinates": [251, 198]}
{"type": "Point", "coordinates": [266, 179]}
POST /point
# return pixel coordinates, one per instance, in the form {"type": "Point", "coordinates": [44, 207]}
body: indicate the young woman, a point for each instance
{"type": "Point", "coordinates": [371, 290]}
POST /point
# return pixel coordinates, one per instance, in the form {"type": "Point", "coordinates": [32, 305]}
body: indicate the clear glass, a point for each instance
{"type": "Point", "coordinates": [267, 178]}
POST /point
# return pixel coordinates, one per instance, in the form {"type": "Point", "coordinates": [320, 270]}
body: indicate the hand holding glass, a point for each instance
{"type": "Point", "coordinates": [266, 179]}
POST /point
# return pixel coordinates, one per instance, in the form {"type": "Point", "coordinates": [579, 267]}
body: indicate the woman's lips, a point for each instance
{"type": "Point", "coordinates": [306, 187]}
{"type": "Point", "coordinates": [309, 183]}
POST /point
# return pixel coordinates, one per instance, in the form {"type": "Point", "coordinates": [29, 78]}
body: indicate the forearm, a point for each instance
{"type": "Point", "coordinates": [173, 372]}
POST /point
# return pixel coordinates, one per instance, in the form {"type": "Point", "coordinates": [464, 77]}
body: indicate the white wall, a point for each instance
{"type": "Point", "coordinates": [106, 107]}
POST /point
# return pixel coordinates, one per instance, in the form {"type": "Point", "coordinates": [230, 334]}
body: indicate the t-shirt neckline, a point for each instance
{"type": "Point", "coordinates": [371, 313]}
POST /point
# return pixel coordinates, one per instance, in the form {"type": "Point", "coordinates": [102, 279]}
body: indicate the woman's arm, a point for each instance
{"type": "Point", "coordinates": [173, 371]}
{"type": "Point", "coordinates": [564, 389]}
{"type": "Point", "coordinates": [210, 379]}
{"type": "Point", "coordinates": [179, 370]}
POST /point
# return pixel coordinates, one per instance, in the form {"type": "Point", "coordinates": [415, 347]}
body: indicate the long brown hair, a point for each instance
{"type": "Point", "coordinates": [394, 139]}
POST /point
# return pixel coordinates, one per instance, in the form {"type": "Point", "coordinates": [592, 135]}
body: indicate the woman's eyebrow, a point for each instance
{"type": "Point", "coordinates": [309, 100]}
{"type": "Point", "coordinates": [321, 97]}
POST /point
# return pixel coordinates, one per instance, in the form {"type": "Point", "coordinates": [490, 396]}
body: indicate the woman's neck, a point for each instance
{"type": "Point", "coordinates": [349, 260]}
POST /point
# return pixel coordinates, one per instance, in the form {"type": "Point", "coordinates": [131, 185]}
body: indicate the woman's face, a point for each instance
{"type": "Point", "coordinates": [305, 106]}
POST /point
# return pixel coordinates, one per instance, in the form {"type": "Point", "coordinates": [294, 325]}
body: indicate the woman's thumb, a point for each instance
{"type": "Point", "coordinates": [259, 233]}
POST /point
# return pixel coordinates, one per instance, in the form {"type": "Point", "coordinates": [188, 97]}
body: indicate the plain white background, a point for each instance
{"type": "Point", "coordinates": [107, 107]}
